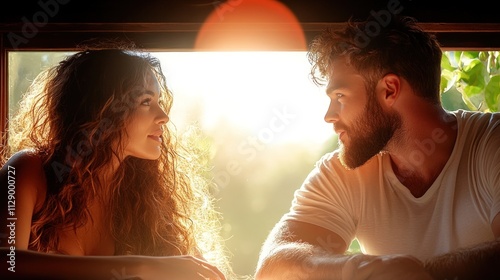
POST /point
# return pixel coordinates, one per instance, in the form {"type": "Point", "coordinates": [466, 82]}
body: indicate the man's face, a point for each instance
{"type": "Point", "coordinates": [364, 128]}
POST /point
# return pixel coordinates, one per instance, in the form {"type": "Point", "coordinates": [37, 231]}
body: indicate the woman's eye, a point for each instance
{"type": "Point", "coordinates": [146, 102]}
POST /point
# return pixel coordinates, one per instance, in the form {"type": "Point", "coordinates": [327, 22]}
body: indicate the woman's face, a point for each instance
{"type": "Point", "coordinates": [144, 129]}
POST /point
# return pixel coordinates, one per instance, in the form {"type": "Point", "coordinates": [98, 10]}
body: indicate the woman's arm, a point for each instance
{"type": "Point", "coordinates": [23, 188]}
{"type": "Point", "coordinates": [24, 264]}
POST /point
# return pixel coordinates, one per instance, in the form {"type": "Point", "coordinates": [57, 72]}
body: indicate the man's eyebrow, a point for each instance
{"type": "Point", "coordinates": [333, 87]}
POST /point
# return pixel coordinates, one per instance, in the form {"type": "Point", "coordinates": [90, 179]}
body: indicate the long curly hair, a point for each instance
{"type": "Point", "coordinates": [397, 45]}
{"type": "Point", "coordinates": [72, 117]}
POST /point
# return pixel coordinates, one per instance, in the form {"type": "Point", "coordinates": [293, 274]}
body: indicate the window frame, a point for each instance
{"type": "Point", "coordinates": [181, 36]}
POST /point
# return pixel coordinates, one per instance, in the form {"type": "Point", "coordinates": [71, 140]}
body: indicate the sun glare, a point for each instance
{"type": "Point", "coordinates": [256, 92]}
{"type": "Point", "coordinates": [251, 25]}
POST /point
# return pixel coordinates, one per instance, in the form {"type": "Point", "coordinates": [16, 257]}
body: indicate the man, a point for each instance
{"type": "Point", "coordinates": [418, 186]}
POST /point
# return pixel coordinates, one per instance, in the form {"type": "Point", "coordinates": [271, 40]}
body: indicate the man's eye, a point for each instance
{"type": "Point", "coordinates": [339, 95]}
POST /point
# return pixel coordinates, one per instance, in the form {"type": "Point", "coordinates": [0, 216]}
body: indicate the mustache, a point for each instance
{"type": "Point", "coordinates": [339, 126]}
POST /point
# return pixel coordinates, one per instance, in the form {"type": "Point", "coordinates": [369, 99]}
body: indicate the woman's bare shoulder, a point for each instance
{"type": "Point", "coordinates": [26, 169]}
{"type": "Point", "coordinates": [24, 160]}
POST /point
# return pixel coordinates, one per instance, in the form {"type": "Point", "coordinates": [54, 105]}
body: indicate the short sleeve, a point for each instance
{"type": "Point", "coordinates": [323, 200]}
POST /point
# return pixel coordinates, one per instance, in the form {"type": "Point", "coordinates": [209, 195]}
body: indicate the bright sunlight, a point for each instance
{"type": "Point", "coordinates": [267, 94]}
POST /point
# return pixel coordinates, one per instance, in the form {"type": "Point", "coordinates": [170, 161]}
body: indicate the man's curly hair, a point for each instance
{"type": "Point", "coordinates": [375, 49]}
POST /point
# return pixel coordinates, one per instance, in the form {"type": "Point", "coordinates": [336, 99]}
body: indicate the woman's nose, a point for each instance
{"type": "Point", "coordinates": [162, 117]}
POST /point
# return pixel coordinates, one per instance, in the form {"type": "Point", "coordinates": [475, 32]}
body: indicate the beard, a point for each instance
{"type": "Point", "coordinates": [368, 135]}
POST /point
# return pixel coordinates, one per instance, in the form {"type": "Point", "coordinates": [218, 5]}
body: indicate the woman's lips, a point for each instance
{"type": "Point", "coordinates": [155, 138]}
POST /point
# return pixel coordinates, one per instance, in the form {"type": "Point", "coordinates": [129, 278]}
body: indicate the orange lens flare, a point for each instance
{"type": "Point", "coordinates": [251, 25]}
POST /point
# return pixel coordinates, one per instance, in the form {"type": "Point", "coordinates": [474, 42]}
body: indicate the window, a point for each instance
{"type": "Point", "coordinates": [263, 122]}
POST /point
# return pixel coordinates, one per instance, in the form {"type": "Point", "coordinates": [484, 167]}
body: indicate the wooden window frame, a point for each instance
{"type": "Point", "coordinates": [181, 36]}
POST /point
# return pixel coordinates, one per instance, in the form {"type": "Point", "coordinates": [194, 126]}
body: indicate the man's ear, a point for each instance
{"type": "Point", "coordinates": [389, 89]}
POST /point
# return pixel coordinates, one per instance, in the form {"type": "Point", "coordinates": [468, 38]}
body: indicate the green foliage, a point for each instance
{"type": "Point", "coordinates": [475, 76]}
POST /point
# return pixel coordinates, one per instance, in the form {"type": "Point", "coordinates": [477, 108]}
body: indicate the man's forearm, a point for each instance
{"type": "Point", "coordinates": [479, 262]}
{"type": "Point", "coordinates": [300, 261]}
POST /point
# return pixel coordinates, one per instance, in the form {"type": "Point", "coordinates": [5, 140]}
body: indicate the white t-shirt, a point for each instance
{"type": "Point", "coordinates": [369, 203]}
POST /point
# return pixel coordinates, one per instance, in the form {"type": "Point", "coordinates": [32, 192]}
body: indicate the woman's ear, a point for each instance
{"type": "Point", "coordinates": [389, 89]}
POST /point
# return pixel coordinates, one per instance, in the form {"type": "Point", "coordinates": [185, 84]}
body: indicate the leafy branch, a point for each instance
{"type": "Point", "coordinates": [475, 75]}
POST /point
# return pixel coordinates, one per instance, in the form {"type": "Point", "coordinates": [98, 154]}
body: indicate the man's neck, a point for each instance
{"type": "Point", "coordinates": [422, 148]}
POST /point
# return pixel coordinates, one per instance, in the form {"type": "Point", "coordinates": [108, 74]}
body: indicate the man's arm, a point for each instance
{"type": "Point", "coordinates": [478, 262]}
{"type": "Point", "coordinates": [300, 250]}
{"type": "Point", "coordinates": [297, 250]}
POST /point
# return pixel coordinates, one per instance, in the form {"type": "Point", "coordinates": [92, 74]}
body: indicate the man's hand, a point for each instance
{"type": "Point", "coordinates": [388, 267]}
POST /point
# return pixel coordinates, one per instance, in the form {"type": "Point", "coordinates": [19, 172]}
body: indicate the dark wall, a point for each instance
{"type": "Point", "coordinates": [188, 11]}
{"type": "Point", "coordinates": [474, 24]}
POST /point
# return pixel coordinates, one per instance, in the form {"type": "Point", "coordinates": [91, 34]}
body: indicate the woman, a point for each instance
{"type": "Point", "coordinates": [100, 185]}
